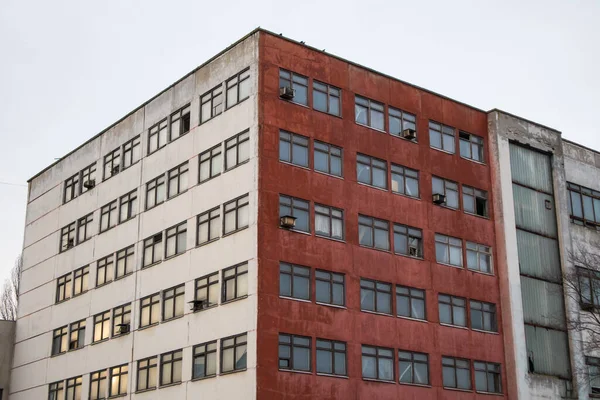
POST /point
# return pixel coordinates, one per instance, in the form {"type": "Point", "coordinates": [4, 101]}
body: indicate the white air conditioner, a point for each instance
{"type": "Point", "coordinates": [409, 134]}
{"type": "Point", "coordinates": [286, 92]}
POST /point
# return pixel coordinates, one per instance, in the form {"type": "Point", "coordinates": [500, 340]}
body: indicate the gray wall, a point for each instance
{"type": "Point", "coordinates": [7, 337]}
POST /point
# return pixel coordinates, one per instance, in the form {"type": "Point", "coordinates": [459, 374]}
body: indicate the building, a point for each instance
{"type": "Point", "coordinates": [7, 332]}
{"type": "Point", "coordinates": [283, 223]}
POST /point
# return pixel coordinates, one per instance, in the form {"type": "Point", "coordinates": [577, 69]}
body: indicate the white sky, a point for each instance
{"type": "Point", "coordinates": [69, 69]}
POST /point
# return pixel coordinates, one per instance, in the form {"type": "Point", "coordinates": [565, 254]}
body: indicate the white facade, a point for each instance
{"type": "Point", "coordinates": [33, 367]}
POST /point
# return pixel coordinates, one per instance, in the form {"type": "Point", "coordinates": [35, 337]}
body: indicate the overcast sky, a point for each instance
{"type": "Point", "coordinates": [69, 69]}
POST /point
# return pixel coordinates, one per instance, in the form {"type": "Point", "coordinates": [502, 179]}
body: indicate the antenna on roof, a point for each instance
{"type": "Point", "coordinates": [302, 42]}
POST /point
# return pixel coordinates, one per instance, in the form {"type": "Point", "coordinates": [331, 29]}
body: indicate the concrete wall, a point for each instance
{"type": "Point", "coordinates": [7, 335]}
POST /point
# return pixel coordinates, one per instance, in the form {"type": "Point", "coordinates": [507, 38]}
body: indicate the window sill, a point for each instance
{"type": "Point", "coordinates": [412, 319]}
{"type": "Point", "coordinates": [480, 163]}
{"type": "Point", "coordinates": [330, 175]}
{"type": "Point", "coordinates": [117, 396]}
{"type": "Point", "coordinates": [208, 242]}
{"type": "Point", "coordinates": [295, 165]}
{"type": "Point", "coordinates": [488, 332]}
{"type": "Point", "coordinates": [205, 308]}
{"type": "Point", "coordinates": [415, 140]}
{"type": "Point", "coordinates": [154, 206]}
{"type": "Point", "coordinates": [145, 390]}
{"type": "Point", "coordinates": [150, 265]}
{"type": "Point", "coordinates": [377, 313]}
{"type": "Point", "coordinates": [83, 241]}
{"type": "Point", "coordinates": [239, 102]}
{"type": "Point", "coordinates": [123, 276]}
{"type": "Point", "coordinates": [209, 179]}
{"type": "Point", "coordinates": [450, 265]}
{"type": "Point", "coordinates": [237, 165]}
{"type": "Point", "coordinates": [422, 385]}
{"type": "Point", "coordinates": [477, 215]}
{"type": "Point", "coordinates": [332, 305]}
{"type": "Point", "coordinates": [118, 335]}
{"type": "Point", "coordinates": [141, 328]}
{"type": "Point", "coordinates": [446, 207]}
{"type": "Point", "coordinates": [169, 385]}
{"type": "Point", "coordinates": [173, 256]}
{"type": "Point", "coordinates": [406, 195]}
{"type": "Point", "coordinates": [480, 272]}
{"type": "Point", "coordinates": [293, 102]}
{"type": "Point", "coordinates": [99, 341]}
{"type": "Point", "coordinates": [101, 231]}
{"type": "Point", "coordinates": [375, 248]}
{"type": "Point", "coordinates": [176, 195]}
{"type": "Point", "coordinates": [330, 238]}
{"type": "Point", "coordinates": [295, 299]}
{"type": "Point", "coordinates": [130, 165]}
{"type": "Point", "coordinates": [328, 113]}
{"type": "Point", "coordinates": [62, 301]}
{"type": "Point", "coordinates": [442, 150]}
{"type": "Point", "coordinates": [103, 284]}
{"type": "Point", "coordinates": [58, 354]}
{"type": "Point", "coordinates": [458, 390]}
{"type": "Point", "coordinates": [411, 257]}
{"type": "Point", "coordinates": [378, 380]}
{"type": "Point", "coordinates": [172, 318]}
{"type": "Point", "coordinates": [454, 326]}
{"type": "Point", "coordinates": [332, 375]}
{"type": "Point", "coordinates": [128, 219]}
{"type": "Point", "coordinates": [201, 378]}
{"type": "Point", "coordinates": [373, 186]}
{"type": "Point", "coordinates": [500, 394]}
{"type": "Point", "coordinates": [293, 371]}
{"type": "Point", "coordinates": [234, 300]}
{"type": "Point", "coordinates": [235, 371]}
{"type": "Point", "coordinates": [78, 348]}
{"type": "Point", "coordinates": [158, 148]}
{"type": "Point", "coordinates": [295, 231]}
{"type": "Point", "coordinates": [236, 231]}
{"type": "Point", "coordinates": [370, 127]}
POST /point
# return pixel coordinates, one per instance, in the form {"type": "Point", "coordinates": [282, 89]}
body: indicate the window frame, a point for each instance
{"type": "Point", "coordinates": [173, 294]}
{"type": "Point", "coordinates": [157, 131]}
{"type": "Point", "coordinates": [216, 103]}
{"type": "Point", "coordinates": [72, 386]}
{"type": "Point", "coordinates": [484, 309]}
{"type": "Point", "coordinates": [369, 106]}
{"type": "Point", "coordinates": [60, 340]}
{"type": "Point", "coordinates": [126, 255]}
{"type": "Point", "coordinates": [578, 192]}
{"type": "Point", "coordinates": [129, 203]}
{"type": "Point", "coordinates": [77, 334]}
{"type": "Point", "coordinates": [68, 233]}
{"type": "Point", "coordinates": [489, 368]}
{"type": "Point", "coordinates": [296, 206]}
{"type": "Point", "coordinates": [412, 294]}
{"type": "Point", "coordinates": [295, 271]}
{"type": "Point", "coordinates": [239, 79]}
{"type": "Point", "coordinates": [119, 375]}
{"type": "Point", "coordinates": [214, 214]}
{"type": "Point", "coordinates": [371, 164]}
{"type": "Point", "coordinates": [294, 80]}
{"type": "Point", "coordinates": [402, 358]}
{"type": "Point", "coordinates": [404, 121]}
{"type": "Point", "coordinates": [84, 223]}
{"type": "Point", "coordinates": [175, 360]}
{"type": "Point", "coordinates": [64, 286]}
{"type": "Point", "coordinates": [154, 242]}
{"type": "Point", "coordinates": [447, 186]}
{"type": "Point", "coordinates": [477, 195]}
{"type": "Point", "coordinates": [406, 174]}
{"type": "Point", "coordinates": [109, 213]}
{"type": "Point", "coordinates": [155, 186]}
{"type": "Point", "coordinates": [292, 344]}
{"type": "Point", "coordinates": [329, 91]}
{"type": "Point", "coordinates": [332, 283]}
{"type": "Point", "coordinates": [329, 151]}
{"type": "Point", "coordinates": [103, 320]}
{"type": "Point", "coordinates": [152, 303]}
{"type": "Point", "coordinates": [238, 141]}
{"type": "Point", "coordinates": [474, 141]}
{"type": "Point", "coordinates": [455, 367]}
{"type": "Point", "coordinates": [129, 152]}
{"type": "Point", "coordinates": [111, 160]}
{"type": "Point", "coordinates": [180, 119]}
{"type": "Point", "coordinates": [99, 379]}
{"type": "Point", "coordinates": [333, 351]}
{"type": "Point", "coordinates": [377, 356]}
{"type": "Point", "coordinates": [479, 250]}
{"type": "Point", "coordinates": [56, 390]}
{"type": "Point", "coordinates": [71, 188]}
{"type": "Point", "coordinates": [442, 130]}
{"type": "Point", "coordinates": [121, 315]}
{"type": "Point", "coordinates": [240, 202]}
{"type": "Point", "coordinates": [374, 286]}
{"type": "Point", "coordinates": [87, 174]}
{"type": "Point", "coordinates": [332, 215]}
{"type": "Point", "coordinates": [211, 153]}
{"type": "Point", "coordinates": [453, 302]}
{"type": "Point", "coordinates": [593, 287]}
{"type": "Point", "coordinates": [177, 234]}
{"type": "Point", "coordinates": [210, 286]}
{"type": "Point", "coordinates": [408, 234]}
{"type": "Point", "coordinates": [204, 351]}
{"type": "Point", "coordinates": [149, 363]}
{"type": "Point", "coordinates": [108, 268]}
{"type": "Point", "coordinates": [363, 220]}
{"type": "Point", "coordinates": [180, 176]}
{"type": "Point", "coordinates": [449, 242]}
{"type": "Point", "coordinates": [81, 278]}
{"type": "Point", "coordinates": [243, 342]}
{"type": "Point", "coordinates": [240, 271]}
{"type": "Point", "coordinates": [292, 141]}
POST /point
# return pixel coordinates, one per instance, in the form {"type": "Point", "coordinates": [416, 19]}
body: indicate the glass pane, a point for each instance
{"type": "Point", "coordinates": [367, 300]}
{"type": "Point", "coordinates": [456, 256]}
{"type": "Point", "coordinates": [301, 358]}
{"type": "Point", "coordinates": [449, 377]}
{"type": "Point", "coordinates": [435, 139]}
{"type": "Point", "coordinates": [336, 169]}
{"type": "Point", "coordinates": [285, 285]}
{"type": "Point", "coordinates": [227, 360]}
{"type": "Point", "coordinates": [365, 235]}
{"type": "Point", "coordinates": [301, 287]}
{"type": "Point", "coordinates": [379, 178]}
{"type": "Point", "coordinates": [324, 364]}
{"type": "Point", "coordinates": [465, 148]}
{"type": "Point", "coordinates": [338, 294]}
{"type": "Point", "coordinates": [421, 373]}
{"type": "Point", "coordinates": [340, 363]}
{"type": "Point", "coordinates": [386, 369]}
{"type": "Point", "coordinates": [418, 309]}
{"type": "Point", "coordinates": [369, 369]}
{"type": "Point", "coordinates": [448, 143]}
{"type": "Point", "coordinates": [334, 105]}
{"type": "Point", "coordinates": [458, 314]}
{"type": "Point", "coordinates": [406, 372]}
{"type": "Point", "coordinates": [383, 303]}
{"type": "Point", "coordinates": [382, 239]}
{"type": "Point", "coordinates": [360, 114]}
{"type": "Point", "coordinates": [319, 101]}
{"type": "Point", "coordinates": [464, 380]}
{"type": "Point", "coordinates": [403, 306]}
{"type": "Point", "coordinates": [321, 162]}
{"type": "Point", "coordinates": [377, 119]}
{"type": "Point", "coordinates": [445, 316]}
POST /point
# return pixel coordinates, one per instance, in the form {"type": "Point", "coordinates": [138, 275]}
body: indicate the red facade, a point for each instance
{"type": "Point", "coordinates": [350, 324]}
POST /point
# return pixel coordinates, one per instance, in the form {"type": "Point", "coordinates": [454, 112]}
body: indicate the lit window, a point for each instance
{"type": "Point", "coordinates": [235, 282]}
{"type": "Point", "coordinates": [152, 247]}
{"type": "Point", "coordinates": [121, 320]}
{"type": "Point", "coordinates": [118, 380]}
{"type": "Point", "coordinates": [180, 122]}
{"type": "Point", "coordinates": [446, 188]}
{"type": "Point", "coordinates": [176, 240]}
{"type": "Point", "coordinates": [329, 222]}
{"type": "Point", "coordinates": [483, 316]}
{"type": "Point", "coordinates": [150, 310]}
{"type": "Point", "coordinates": [210, 164]}
{"type": "Point", "coordinates": [326, 98]}
{"type": "Point", "coordinates": [475, 201]}
{"type": "Point", "coordinates": [209, 226]}
{"type": "Point", "coordinates": [442, 137]}
{"type": "Point", "coordinates": [155, 192]}
{"type": "Point", "coordinates": [471, 146]}
{"type": "Point", "coordinates": [448, 250]}
{"type": "Point", "coordinates": [294, 281]}
{"type": "Point", "coordinates": [410, 302]}
{"type": "Point", "coordinates": [157, 136]}
{"type": "Point", "coordinates": [298, 208]}
{"type": "Point", "coordinates": [453, 310]}
{"type": "Point", "coordinates": [375, 296]}
{"type": "Point", "coordinates": [371, 171]}
{"type": "Point", "coordinates": [294, 352]}
{"type": "Point", "coordinates": [373, 232]}
{"type": "Point", "coordinates": [328, 158]}
{"type": "Point", "coordinates": [170, 367]}
{"type": "Point", "coordinates": [59, 340]}
{"type": "Point", "coordinates": [479, 257]}
{"type": "Point", "coordinates": [74, 388]}
{"type": "Point", "coordinates": [413, 367]}
{"type": "Point", "coordinates": [377, 363]}
{"type": "Point", "coordinates": [207, 290]}
{"type": "Point", "coordinates": [298, 84]}
{"type": "Point", "coordinates": [368, 112]}
{"type": "Point", "coordinates": [173, 300]}
{"type": "Point", "coordinates": [236, 214]}
{"type": "Point", "coordinates": [56, 391]}
{"type": "Point", "coordinates": [104, 270]}
{"type": "Point", "coordinates": [101, 326]}
{"type": "Point", "coordinates": [77, 335]}
{"type": "Point", "coordinates": [405, 181]}
{"type": "Point", "coordinates": [98, 385]}
{"type": "Point", "coordinates": [238, 88]}
{"type": "Point", "coordinates": [237, 150]}
{"type": "Point", "coordinates": [204, 360]}
{"type": "Point", "coordinates": [233, 353]}
{"type": "Point", "coordinates": [81, 280]}
{"type": "Point", "coordinates": [330, 288]}
{"type": "Point", "coordinates": [293, 148]}
{"type": "Point", "coordinates": [456, 373]}
{"type": "Point", "coordinates": [146, 373]}
{"type": "Point", "coordinates": [401, 120]}
{"type": "Point", "coordinates": [63, 288]}
{"type": "Point", "coordinates": [211, 104]}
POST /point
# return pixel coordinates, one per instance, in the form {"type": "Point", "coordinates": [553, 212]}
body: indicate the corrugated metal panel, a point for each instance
{"type": "Point", "coordinates": [531, 168]}
{"type": "Point", "coordinates": [531, 212]}
{"type": "Point", "coordinates": [538, 256]}
{"type": "Point", "coordinates": [548, 350]}
{"type": "Point", "coordinates": [543, 303]}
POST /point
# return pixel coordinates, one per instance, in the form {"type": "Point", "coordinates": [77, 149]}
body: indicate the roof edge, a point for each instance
{"type": "Point", "coordinates": [524, 119]}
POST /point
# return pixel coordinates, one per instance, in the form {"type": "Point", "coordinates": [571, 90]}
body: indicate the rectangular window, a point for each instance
{"type": "Point", "coordinates": [88, 178]}
{"type": "Point", "coordinates": [294, 352]}
{"type": "Point", "coordinates": [128, 206]}
{"type": "Point", "coordinates": [293, 148]}
{"type": "Point", "coordinates": [448, 250]}
{"type": "Point", "coordinates": [442, 137]}
{"type": "Point", "coordinates": [329, 222]}
{"type": "Point", "coordinates": [173, 301]}
{"type": "Point", "coordinates": [211, 104]}
{"type": "Point", "coordinates": [589, 287]}
{"type": "Point", "coordinates": [475, 201]}
{"type": "Point", "coordinates": [56, 391]}
{"type": "Point", "coordinates": [471, 146]}
{"type": "Point", "coordinates": [408, 241]}
{"type": "Point", "coordinates": [237, 150]}
{"type": "Point", "coordinates": [101, 326]}
{"type": "Point", "coordinates": [77, 335]}
{"type": "Point", "coordinates": [377, 363]}
{"type": "Point", "coordinates": [63, 288]}
{"type": "Point", "coordinates": [84, 228]}
{"type": "Point", "coordinates": [479, 257]}
{"type": "Point", "coordinates": [375, 296]}
{"type": "Point", "coordinates": [180, 122]}
{"type": "Point", "coordinates": [410, 302]}
{"type": "Point", "coordinates": [121, 321]}
{"type": "Point", "coordinates": [177, 180]}
{"type": "Point", "coordinates": [447, 188]}
{"type": "Point", "coordinates": [298, 84]}
{"type": "Point", "coordinates": [176, 240]}
{"type": "Point", "coordinates": [330, 288]}
{"type": "Point", "coordinates": [131, 152]}
{"type": "Point", "coordinates": [147, 373]}
{"type": "Point", "coordinates": [209, 226]}
{"type": "Point", "coordinates": [155, 192]}
{"type": "Point", "coordinates": [235, 282]}
{"type": "Point", "coordinates": [152, 250]}
{"type": "Point", "coordinates": [104, 270]}
{"type": "Point", "coordinates": [118, 380]}
{"type": "Point", "coordinates": [111, 163]}
{"type": "Point", "coordinates": [297, 208]}
{"type": "Point", "coordinates": [170, 367]}
{"type": "Point", "coordinates": [373, 232]}
{"type": "Point", "coordinates": [71, 188]}
{"type": "Point", "coordinates": [328, 158]}
{"type": "Point", "coordinates": [150, 310]}
{"type": "Point", "coordinates": [399, 121]}
{"type": "Point", "coordinates": [210, 164]}
{"type": "Point", "coordinates": [207, 290]}
{"type": "Point", "coordinates": [236, 214]}
{"type": "Point", "coordinates": [371, 171]}
{"type": "Point", "coordinates": [413, 367]}
{"type": "Point", "coordinates": [233, 353]}
{"type": "Point", "coordinates": [108, 216]}
{"type": "Point", "coordinates": [74, 388]}
{"type": "Point", "coordinates": [483, 316]}
{"type": "Point", "coordinates": [204, 360]}
{"type": "Point", "coordinates": [326, 98]}
{"type": "Point", "coordinates": [294, 281]}
{"type": "Point", "coordinates": [405, 181]}
{"type": "Point", "coordinates": [456, 373]}
{"type": "Point", "coordinates": [98, 385]}
{"type": "Point", "coordinates": [59, 340]}
{"type": "Point", "coordinates": [487, 377]}
{"type": "Point", "coordinates": [67, 237]}
{"type": "Point", "coordinates": [157, 136]}
{"type": "Point", "coordinates": [331, 357]}
{"type": "Point", "coordinates": [584, 206]}
{"type": "Point", "coordinates": [238, 88]}
{"type": "Point", "coordinates": [593, 370]}
{"type": "Point", "coordinates": [453, 310]}
{"type": "Point", "coordinates": [368, 112]}
{"type": "Point", "coordinates": [81, 280]}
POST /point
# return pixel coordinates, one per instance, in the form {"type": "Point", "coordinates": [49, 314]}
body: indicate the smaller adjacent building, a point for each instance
{"type": "Point", "coordinates": [7, 336]}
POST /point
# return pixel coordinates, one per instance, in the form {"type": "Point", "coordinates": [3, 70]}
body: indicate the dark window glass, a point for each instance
{"type": "Point", "coordinates": [294, 352]}
{"type": "Point", "coordinates": [180, 122]}
{"type": "Point", "coordinates": [152, 250]}
{"type": "Point", "coordinates": [131, 152]}
{"type": "Point", "coordinates": [483, 316]}
{"type": "Point", "coordinates": [375, 296]}
{"type": "Point", "coordinates": [60, 337]}
{"type": "Point", "coordinates": [371, 171]}
{"type": "Point", "coordinates": [453, 310]}
{"type": "Point", "coordinates": [233, 353]}
{"type": "Point", "coordinates": [204, 360]}
{"type": "Point", "coordinates": [237, 150]}
{"type": "Point", "coordinates": [67, 237]}
{"type": "Point", "coordinates": [471, 146]}
{"type": "Point", "coordinates": [236, 214]}
{"type": "Point", "coordinates": [584, 206]}
{"type": "Point", "coordinates": [377, 363]}
{"type": "Point", "coordinates": [155, 192]}
{"type": "Point", "coordinates": [487, 377]}
{"type": "Point", "coordinates": [405, 181]}
{"type": "Point", "coordinates": [293, 148]}
{"type": "Point", "coordinates": [294, 281]}
{"type": "Point", "coordinates": [330, 288]}
{"type": "Point", "coordinates": [326, 98]}
{"type": "Point", "coordinates": [331, 357]}
{"type": "Point", "coordinates": [408, 241]}
{"type": "Point", "coordinates": [373, 232]}
{"type": "Point", "coordinates": [211, 104]}
{"type": "Point", "coordinates": [413, 367]}
{"type": "Point", "coordinates": [328, 158]}
{"type": "Point", "coordinates": [298, 208]}
{"type": "Point", "coordinates": [108, 216]}
{"type": "Point", "coordinates": [410, 302]}
{"type": "Point", "coordinates": [71, 188]}
{"type": "Point", "coordinates": [88, 178]}
{"type": "Point", "coordinates": [235, 282]}
{"type": "Point", "coordinates": [209, 226]}
{"type": "Point", "coordinates": [475, 201]}
{"type": "Point", "coordinates": [442, 137]}
{"type": "Point", "coordinates": [298, 83]}
{"type": "Point", "coordinates": [329, 222]}
{"type": "Point", "coordinates": [456, 373]}
{"type": "Point", "coordinates": [111, 163]}
{"type": "Point", "coordinates": [210, 164]}
{"type": "Point", "coordinates": [170, 367]}
{"type": "Point", "coordinates": [157, 136]}
{"type": "Point", "coordinates": [238, 88]}
{"type": "Point", "coordinates": [368, 112]}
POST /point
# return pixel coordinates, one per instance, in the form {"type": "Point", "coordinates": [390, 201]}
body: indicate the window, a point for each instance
{"type": "Point", "coordinates": [88, 178]}
{"type": "Point", "coordinates": [146, 373]}
{"type": "Point", "coordinates": [104, 270]}
{"type": "Point", "coordinates": [71, 188]}
{"type": "Point", "coordinates": [294, 352]}
{"type": "Point", "coordinates": [399, 120]}
{"type": "Point", "coordinates": [448, 189]}
{"type": "Point", "coordinates": [111, 163]}
{"type": "Point", "coordinates": [121, 320]}
{"type": "Point", "coordinates": [125, 261]}
{"type": "Point", "coordinates": [377, 363]}
{"type": "Point", "coordinates": [330, 288]}
{"type": "Point", "coordinates": [56, 391]}
{"type": "Point", "coordinates": [128, 206]}
{"type": "Point", "coordinates": [329, 222]}
{"type": "Point", "coordinates": [207, 290]}
{"type": "Point", "coordinates": [368, 112]}
{"type": "Point", "coordinates": [331, 357]}
{"type": "Point", "coordinates": [593, 370]}
{"type": "Point", "coordinates": [118, 380]}
{"type": "Point", "coordinates": [441, 137]}
{"type": "Point", "coordinates": [297, 208]}
{"type": "Point", "coordinates": [178, 180]}
{"type": "Point", "coordinates": [236, 214]}
{"type": "Point", "coordinates": [408, 241]}
{"type": "Point", "coordinates": [328, 158]}
{"type": "Point", "coordinates": [81, 280]}
{"type": "Point", "coordinates": [101, 326]}
{"type": "Point", "coordinates": [479, 257]}
{"type": "Point", "coordinates": [77, 335]}
{"type": "Point", "coordinates": [84, 226]}
{"type": "Point", "coordinates": [235, 282]}
{"type": "Point", "coordinates": [405, 181]}
{"type": "Point", "coordinates": [233, 353]}
{"type": "Point", "coordinates": [59, 340]}
{"type": "Point", "coordinates": [204, 360]}
{"type": "Point", "coordinates": [210, 164]}
{"type": "Point", "coordinates": [371, 171]}
{"type": "Point", "coordinates": [475, 201]}
{"type": "Point", "coordinates": [157, 136]}
{"type": "Point", "coordinates": [487, 377]}
{"type": "Point", "coordinates": [180, 122]}
{"type": "Point", "coordinates": [589, 287]}
{"type": "Point", "coordinates": [170, 367]}
{"type": "Point", "coordinates": [63, 288]}
{"type": "Point", "coordinates": [410, 302]}
{"type": "Point", "coordinates": [294, 281]}
{"type": "Point", "coordinates": [293, 148]}
{"type": "Point", "coordinates": [375, 296]}
{"type": "Point", "coordinates": [584, 206]}
{"type": "Point", "coordinates": [209, 226]}
{"type": "Point", "coordinates": [237, 150]}
{"type": "Point", "coordinates": [326, 98]}
{"type": "Point", "coordinates": [298, 83]}
{"type": "Point", "coordinates": [150, 310]}
{"type": "Point", "coordinates": [152, 253]}
{"type": "Point", "coordinates": [238, 88]}
{"type": "Point", "coordinates": [413, 367]}
{"type": "Point", "coordinates": [448, 250]}
{"type": "Point", "coordinates": [456, 373]}
{"type": "Point", "coordinates": [131, 152]}
{"type": "Point", "coordinates": [98, 385]}
{"type": "Point", "coordinates": [67, 237]}
{"type": "Point", "coordinates": [74, 388]}
{"type": "Point", "coordinates": [471, 146]}
{"type": "Point", "coordinates": [483, 316]}
{"type": "Point", "coordinates": [108, 216]}
{"type": "Point", "coordinates": [211, 104]}
{"type": "Point", "coordinates": [173, 300]}
{"type": "Point", "coordinates": [373, 232]}
{"type": "Point", "coordinates": [452, 309]}
{"type": "Point", "coordinates": [176, 240]}
{"type": "Point", "coordinates": [155, 192]}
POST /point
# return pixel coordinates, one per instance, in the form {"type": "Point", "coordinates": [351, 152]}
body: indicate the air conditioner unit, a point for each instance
{"type": "Point", "coordinates": [587, 306]}
{"type": "Point", "coordinates": [115, 169]}
{"type": "Point", "coordinates": [89, 183]}
{"type": "Point", "coordinates": [197, 305]}
{"type": "Point", "coordinates": [439, 198]}
{"type": "Point", "coordinates": [409, 134]}
{"type": "Point", "coordinates": [287, 221]}
{"type": "Point", "coordinates": [73, 344]}
{"type": "Point", "coordinates": [157, 238]}
{"type": "Point", "coordinates": [413, 251]}
{"type": "Point", "coordinates": [122, 328]}
{"type": "Point", "coordinates": [70, 244]}
{"type": "Point", "coordinates": [286, 92]}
